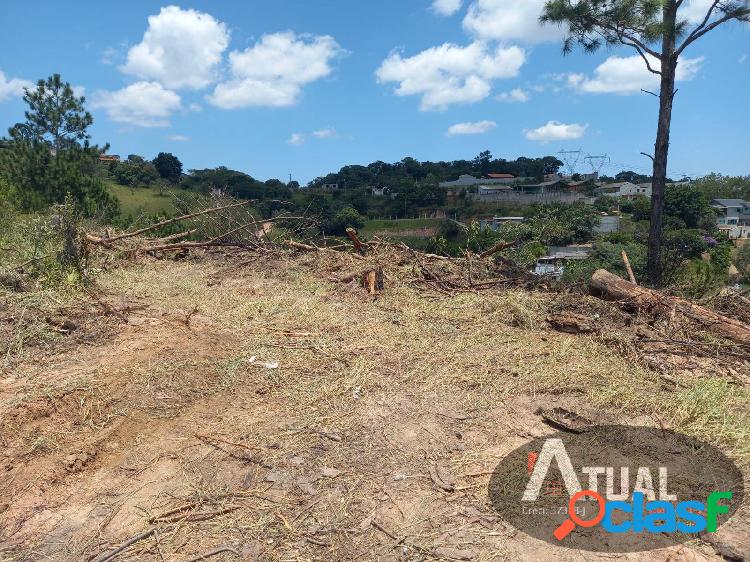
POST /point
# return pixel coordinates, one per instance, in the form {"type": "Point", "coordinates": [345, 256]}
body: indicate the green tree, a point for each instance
{"type": "Point", "coordinates": [659, 32]}
{"type": "Point", "coordinates": [56, 116]}
{"type": "Point", "coordinates": [135, 171]}
{"type": "Point", "coordinates": [348, 217]}
{"type": "Point", "coordinates": [688, 204]}
{"type": "Point", "coordinates": [168, 166]}
{"type": "Point", "coordinates": [48, 157]}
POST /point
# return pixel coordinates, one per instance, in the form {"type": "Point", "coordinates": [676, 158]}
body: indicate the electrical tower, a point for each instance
{"type": "Point", "coordinates": [597, 162]}
{"type": "Point", "coordinates": [571, 159]}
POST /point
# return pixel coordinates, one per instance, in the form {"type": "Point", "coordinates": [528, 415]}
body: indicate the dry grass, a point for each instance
{"type": "Point", "coordinates": [296, 460]}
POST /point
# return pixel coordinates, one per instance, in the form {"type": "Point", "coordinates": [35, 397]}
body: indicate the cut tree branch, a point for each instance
{"type": "Point", "coordinates": [101, 240]}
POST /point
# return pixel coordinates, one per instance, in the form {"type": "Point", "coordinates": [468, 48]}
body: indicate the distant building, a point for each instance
{"type": "Point", "coordinates": [330, 187]}
{"type": "Point", "coordinates": [467, 180]}
{"type": "Point", "coordinates": [544, 187]}
{"type": "Point", "coordinates": [382, 191]}
{"type": "Point", "coordinates": [553, 264]}
{"type": "Point", "coordinates": [464, 180]}
{"type": "Point", "coordinates": [733, 217]}
{"type": "Point", "coordinates": [491, 189]}
{"type": "Point", "coordinates": [109, 158]}
{"type": "Point", "coordinates": [496, 223]}
{"type": "Point", "coordinates": [624, 189]}
{"type": "Point", "coordinates": [731, 211]}
{"type": "Point", "coordinates": [608, 224]}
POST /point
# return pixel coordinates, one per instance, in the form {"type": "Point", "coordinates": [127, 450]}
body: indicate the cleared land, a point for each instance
{"type": "Point", "coordinates": [250, 403]}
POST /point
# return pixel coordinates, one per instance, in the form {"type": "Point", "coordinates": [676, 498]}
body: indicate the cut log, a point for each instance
{"type": "Point", "coordinates": [571, 323]}
{"type": "Point", "coordinates": [618, 289]}
{"type": "Point", "coordinates": [352, 234]}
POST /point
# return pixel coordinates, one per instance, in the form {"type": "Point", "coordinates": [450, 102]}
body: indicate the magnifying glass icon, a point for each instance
{"type": "Point", "coordinates": [573, 519]}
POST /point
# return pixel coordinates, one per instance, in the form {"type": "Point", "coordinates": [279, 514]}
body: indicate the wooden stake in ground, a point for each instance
{"type": "Point", "coordinates": [640, 297]}
{"type": "Point", "coordinates": [629, 269]}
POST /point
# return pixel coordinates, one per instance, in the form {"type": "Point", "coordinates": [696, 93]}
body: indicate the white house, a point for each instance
{"type": "Point", "coordinates": [733, 217]}
{"type": "Point", "coordinates": [624, 189]}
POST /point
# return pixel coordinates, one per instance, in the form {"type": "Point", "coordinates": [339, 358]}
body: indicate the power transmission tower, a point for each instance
{"type": "Point", "coordinates": [597, 162]}
{"type": "Point", "coordinates": [571, 159]}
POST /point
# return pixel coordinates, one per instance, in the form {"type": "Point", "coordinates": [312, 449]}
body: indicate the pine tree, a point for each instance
{"type": "Point", "coordinates": [659, 35]}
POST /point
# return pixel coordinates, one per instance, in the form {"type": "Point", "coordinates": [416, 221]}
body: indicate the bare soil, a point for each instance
{"type": "Point", "coordinates": [263, 408]}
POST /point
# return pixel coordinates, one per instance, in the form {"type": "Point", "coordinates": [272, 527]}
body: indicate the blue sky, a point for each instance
{"type": "Point", "coordinates": [304, 87]}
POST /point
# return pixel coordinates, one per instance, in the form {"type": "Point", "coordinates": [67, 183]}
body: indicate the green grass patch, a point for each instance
{"type": "Point", "coordinates": [395, 226]}
{"type": "Point", "coordinates": [135, 201]}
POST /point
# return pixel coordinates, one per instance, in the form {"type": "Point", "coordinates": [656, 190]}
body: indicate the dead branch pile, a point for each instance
{"type": "Point", "coordinates": [204, 223]}
{"type": "Point", "coordinates": [230, 223]}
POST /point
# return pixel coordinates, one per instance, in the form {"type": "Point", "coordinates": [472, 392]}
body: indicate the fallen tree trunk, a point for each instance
{"type": "Point", "coordinates": [617, 288]}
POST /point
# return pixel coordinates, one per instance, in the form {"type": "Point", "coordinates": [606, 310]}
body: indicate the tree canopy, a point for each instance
{"type": "Point", "coordinates": [168, 166]}
{"type": "Point", "coordinates": [48, 157]}
{"type": "Point", "coordinates": [56, 116]}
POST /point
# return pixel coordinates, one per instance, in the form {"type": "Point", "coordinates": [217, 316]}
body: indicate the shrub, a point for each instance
{"type": "Point", "coordinates": [348, 217]}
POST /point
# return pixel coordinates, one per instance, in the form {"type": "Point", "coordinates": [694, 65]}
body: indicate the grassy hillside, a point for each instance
{"type": "Point", "coordinates": [400, 227]}
{"type": "Point", "coordinates": [142, 200]}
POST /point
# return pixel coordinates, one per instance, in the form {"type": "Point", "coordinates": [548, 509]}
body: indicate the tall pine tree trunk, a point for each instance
{"type": "Point", "coordinates": [661, 148]}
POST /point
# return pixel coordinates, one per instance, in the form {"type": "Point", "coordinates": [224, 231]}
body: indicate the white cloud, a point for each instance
{"type": "Point", "coordinates": [178, 138]}
{"type": "Point", "coordinates": [324, 133]}
{"type": "Point", "coordinates": [273, 71]}
{"type": "Point", "coordinates": [742, 59]}
{"type": "Point", "coordinates": [628, 75]}
{"type": "Point", "coordinates": [145, 104]}
{"type": "Point", "coordinates": [556, 131]}
{"type": "Point", "coordinates": [296, 139]}
{"type": "Point", "coordinates": [180, 49]}
{"type": "Point", "coordinates": [449, 73]}
{"type": "Point", "coordinates": [506, 20]}
{"type": "Point", "coordinates": [476, 128]}
{"type": "Point", "coordinates": [446, 7]}
{"type": "Point", "coordinates": [516, 95]}
{"type": "Point", "coordinates": [13, 87]}
{"type": "Point", "coordinates": [695, 10]}
{"type": "Point", "coordinates": [196, 107]}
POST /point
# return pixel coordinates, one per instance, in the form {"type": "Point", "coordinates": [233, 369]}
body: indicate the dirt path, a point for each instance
{"type": "Point", "coordinates": [181, 421]}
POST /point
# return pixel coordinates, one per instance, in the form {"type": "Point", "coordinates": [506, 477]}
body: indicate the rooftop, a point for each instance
{"type": "Point", "coordinates": [730, 203]}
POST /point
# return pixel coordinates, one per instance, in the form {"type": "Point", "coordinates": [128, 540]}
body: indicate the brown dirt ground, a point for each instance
{"type": "Point", "coordinates": [167, 421]}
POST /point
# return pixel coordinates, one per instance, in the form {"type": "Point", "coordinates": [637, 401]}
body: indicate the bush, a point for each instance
{"type": "Point", "coordinates": [40, 178]}
{"type": "Point", "coordinates": [49, 245]}
{"type": "Point", "coordinates": [698, 278]}
{"type": "Point", "coordinates": [134, 172]}
{"type": "Point", "coordinates": [348, 217]}
{"type": "Point", "coordinates": [743, 262]}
